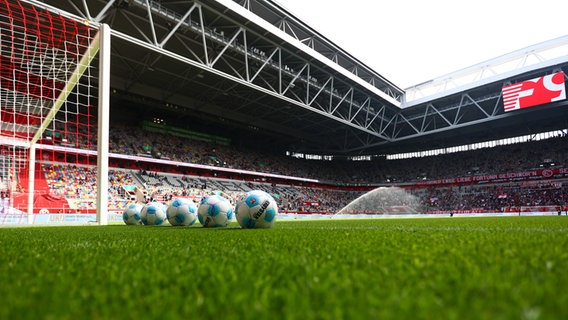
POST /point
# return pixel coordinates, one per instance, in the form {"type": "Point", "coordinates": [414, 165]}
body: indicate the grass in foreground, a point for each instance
{"type": "Point", "coordinates": [467, 268]}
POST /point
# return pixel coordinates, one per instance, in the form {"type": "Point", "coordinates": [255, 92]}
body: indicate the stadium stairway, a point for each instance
{"type": "Point", "coordinates": [43, 199]}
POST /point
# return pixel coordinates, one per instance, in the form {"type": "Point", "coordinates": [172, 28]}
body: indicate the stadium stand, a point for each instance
{"type": "Point", "coordinates": [497, 160]}
{"type": "Point", "coordinates": [343, 181]}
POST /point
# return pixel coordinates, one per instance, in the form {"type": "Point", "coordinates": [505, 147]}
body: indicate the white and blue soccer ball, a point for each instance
{"type": "Point", "coordinates": [153, 214]}
{"type": "Point", "coordinates": [256, 209]}
{"type": "Point", "coordinates": [131, 214]}
{"type": "Point", "coordinates": [215, 211]}
{"type": "Point", "coordinates": [182, 212]}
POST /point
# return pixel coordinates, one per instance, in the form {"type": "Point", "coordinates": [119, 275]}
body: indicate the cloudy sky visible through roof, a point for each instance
{"type": "Point", "coordinates": [412, 41]}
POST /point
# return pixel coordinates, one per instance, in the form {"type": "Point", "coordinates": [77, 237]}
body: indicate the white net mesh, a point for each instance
{"type": "Point", "coordinates": [47, 99]}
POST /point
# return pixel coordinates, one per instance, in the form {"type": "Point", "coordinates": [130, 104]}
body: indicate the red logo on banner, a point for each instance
{"type": "Point", "coordinates": [534, 92]}
{"type": "Point", "coordinates": [547, 173]}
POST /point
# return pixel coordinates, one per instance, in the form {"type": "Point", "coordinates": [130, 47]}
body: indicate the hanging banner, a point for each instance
{"type": "Point", "coordinates": [534, 92]}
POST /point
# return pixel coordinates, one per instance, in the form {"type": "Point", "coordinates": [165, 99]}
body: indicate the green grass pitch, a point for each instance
{"type": "Point", "coordinates": [448, 268]}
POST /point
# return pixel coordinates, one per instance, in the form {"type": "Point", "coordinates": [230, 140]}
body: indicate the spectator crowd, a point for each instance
{"type": "Point", "coordinates": [341, 181]}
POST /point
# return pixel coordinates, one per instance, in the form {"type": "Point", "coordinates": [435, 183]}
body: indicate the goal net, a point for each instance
{"type": "Point", "coordinates": [48, 110]}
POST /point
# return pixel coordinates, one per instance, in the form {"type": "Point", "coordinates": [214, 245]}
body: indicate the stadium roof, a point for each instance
{"type": "Point", "coordinates": [253, 72]}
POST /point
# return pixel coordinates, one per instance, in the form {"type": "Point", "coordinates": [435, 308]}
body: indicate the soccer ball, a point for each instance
{"type": "Point", "coordinates": [256, 209]}
{"type": "Point", "coordinates": [182, 212]}
{"type": "Point", "coordinates": [153, 213]}
{"type": "Point", "coordinates": [131, 215]}
{"type": "Point", "coordinates": [215, 211]}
